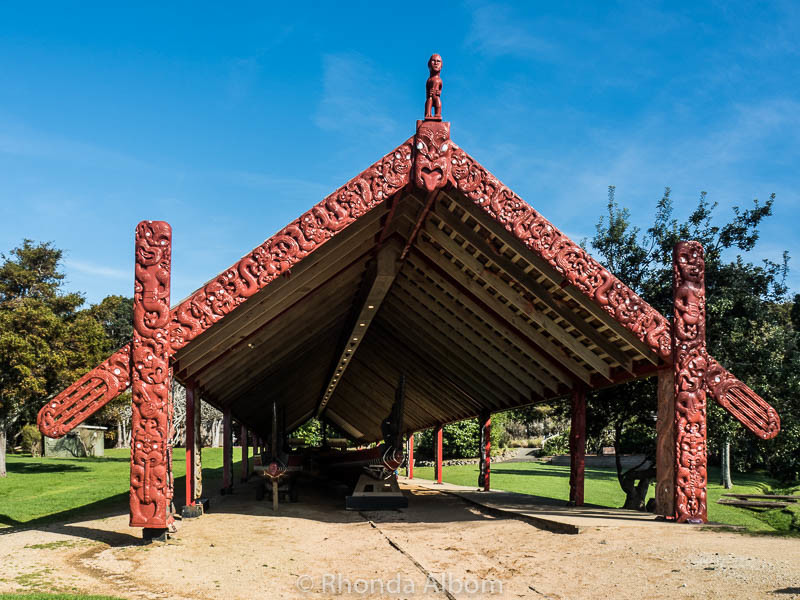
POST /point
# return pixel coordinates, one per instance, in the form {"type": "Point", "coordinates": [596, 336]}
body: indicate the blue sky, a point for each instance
{"type": "Point", "coordinates": [228, 122]}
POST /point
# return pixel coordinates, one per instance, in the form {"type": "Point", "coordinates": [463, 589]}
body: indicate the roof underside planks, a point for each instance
{"type": "Point", "coordinates": [471, 319]}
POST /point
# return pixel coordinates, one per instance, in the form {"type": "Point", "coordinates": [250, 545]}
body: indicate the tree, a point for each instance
{"type": "Point", "coordinates": [45, 341]}
{"type": "Point", "coordinates": [748, 325]}
{"type": "Point", "coordinates": [115, 315]}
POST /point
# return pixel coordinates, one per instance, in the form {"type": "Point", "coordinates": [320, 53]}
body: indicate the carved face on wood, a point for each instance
{"type": "Point", "coordinates": [690, 260]}
{"type": "Point", "coordinates": [433, 153]}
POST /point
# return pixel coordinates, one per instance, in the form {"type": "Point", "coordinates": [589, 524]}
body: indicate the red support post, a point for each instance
{"type": "Point", "coordinates": [151, 402]}
{"type": "Point", "coordinates": [190, 408]}
{"type": "Point", "coordinates": [577, 446]}
{"type": "Point", "coordinates": [690, 362]}
{"type": "Point", "coordinates": [485, 423]}
{"type": "Point", "coordinates": [410, 464]}
{"type": "Point", "coordinates": [437, 442]}
{"type": "Point", "coordinates": [245, 457]}
{"type": "Point", "coordinates": [227, 451]}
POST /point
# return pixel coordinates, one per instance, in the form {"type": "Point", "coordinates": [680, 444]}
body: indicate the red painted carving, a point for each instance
{"type": "Point", "coordinates": [690, 362]}
{"type": "Point", "coordinates": [742, 402]}
{"type": "Point", "coordinates": [432, 155]}
{"type": "Point", "coordinates": [231, 288]}
{"type": "Point", "coordinates": [433, 89]}
{"type": "Point", "coordinates": [566, 257]}
{"type": "Point", "coordinates": [87, 395]}
{"type": "Point", "coordinates": [151, 420]}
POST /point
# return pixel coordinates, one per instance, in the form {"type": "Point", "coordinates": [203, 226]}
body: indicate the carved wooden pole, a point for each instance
{"type": "Point", "coordinates": [190, 408]}
{"type": "Point", "coordinates": [245, 458]}
{"type": "Point", "coordinates": [437, 446]}
{"type": "Point", "coordinates": [577, 446]}
{"type": "Point", "coordinates": [690, 361]}
{"type": "Point", "coordinates": [151, 418]}
{"type": "Point", "coordinates": [485, 423]}
{"type": "Point", "coordinates": [665, 444]}
{"type": "Point", "coordinates": [227, 451]}
{"type": "Point", "coordinates": [410, 464]}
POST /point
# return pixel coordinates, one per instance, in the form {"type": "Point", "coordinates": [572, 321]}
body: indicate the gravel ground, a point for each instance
{"type": "Point", "coordinates": [242, 550]}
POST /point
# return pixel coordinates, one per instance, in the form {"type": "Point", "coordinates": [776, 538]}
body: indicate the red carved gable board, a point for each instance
{"type": "Point", "coordinates": [276, 256]}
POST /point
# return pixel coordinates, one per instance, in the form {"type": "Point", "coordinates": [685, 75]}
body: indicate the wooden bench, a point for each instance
{"type": "Point", "coordinates": [758, 500]}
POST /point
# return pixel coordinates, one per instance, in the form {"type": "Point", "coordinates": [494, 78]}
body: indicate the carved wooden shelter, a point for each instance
{"type": "Point", "coordinates": [423, 264]}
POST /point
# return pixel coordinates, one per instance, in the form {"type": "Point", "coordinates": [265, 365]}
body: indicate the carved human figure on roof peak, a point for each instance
{"type": "Point", "coordinates": [433, 89]}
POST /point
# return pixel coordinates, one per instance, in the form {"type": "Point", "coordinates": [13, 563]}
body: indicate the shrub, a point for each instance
{"type": "Point", "coordinates": [558, 444]}
{"type": "Point", "coordinates": [31, 440]}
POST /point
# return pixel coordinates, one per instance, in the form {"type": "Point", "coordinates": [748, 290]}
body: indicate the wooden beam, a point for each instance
{"type": "Point", "coordinates": [437, 445]}
{"type": "Point", "coordinates": [463, 320]}
{"type": "Point", "coordinates": [548, 271]}
{"type": "Point", "coordinates": [498, 393]}
{"type": "Point", "coordinates": [478, 347]}
{"type": "Point", "coordinates": [517, 300]}
{"type": "Point", "coordinates": [492, 322]}
{"type": "Point", "coordinates": [279, 339]}
{"type": "Point", "coordinates": [227, 452]}
{"type": "Point", "coordinates": [386, 270]}
{"type": "Point", "coordinates": [528, 281]}
{"type": "Point", "coordinates": [665, 444]}
{"type": "Point", "coordinates": [223, 338]}
{"type": "Point", "coordinates": [449, 391]}
{"type": "Point", "coordinates": [577, 446]}
{"type": "Point", "coordinates": [522, 327]}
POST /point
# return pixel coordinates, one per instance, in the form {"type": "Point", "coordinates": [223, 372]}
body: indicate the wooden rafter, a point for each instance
{"type": "Point", "coordinates": [546, 269]}
{"type": "Point", "coordinates": [517, 324]}
{"type": "Point", "coordinates": [515, 299]}
{"type": "Point", "coordinates": [528, 281]}
{"type": "Point", "coordinates": [386, 268]}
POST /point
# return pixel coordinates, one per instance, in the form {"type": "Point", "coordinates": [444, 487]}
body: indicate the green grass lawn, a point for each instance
{"type": "Point", "coordinates": [41, 490]}
{"type": "Point", "coordinates": [602, 488]}
{"type": "Point", "coordinates": [38, 490]}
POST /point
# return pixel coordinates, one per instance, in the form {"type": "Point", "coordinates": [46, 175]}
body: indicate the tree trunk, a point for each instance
{"type": "Point", "coordinates": [726, 464]}
{"type": "Point", "coordinates": [635, 493]}
{"type": "Point", "coordinates": [120, 435]}
{"type": "Point", "coordinates": [2, 446]}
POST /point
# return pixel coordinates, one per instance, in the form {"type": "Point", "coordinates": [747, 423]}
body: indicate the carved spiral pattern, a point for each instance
{"type": "Point", "coordinates": [151, 420]}
{"type": "Point", "coordinates": [690, 363]}
{"type": "Point", "coordinates": [739, 400]}
{"type": "Point", "coordinates": [566, 257]}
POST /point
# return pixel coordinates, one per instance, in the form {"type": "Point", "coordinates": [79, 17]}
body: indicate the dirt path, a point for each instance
{"type": "Point", "coordinates": [242, 550]}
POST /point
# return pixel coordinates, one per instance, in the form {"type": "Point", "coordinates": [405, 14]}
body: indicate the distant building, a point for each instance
{"type": "Point", "coordinates": [84, 440]}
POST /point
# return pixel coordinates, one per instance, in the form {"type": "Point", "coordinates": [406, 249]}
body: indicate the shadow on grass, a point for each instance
{"type": "Point", "coordinates": [111, 506]}
{"type": "Point", "coordinates": [41, 468]}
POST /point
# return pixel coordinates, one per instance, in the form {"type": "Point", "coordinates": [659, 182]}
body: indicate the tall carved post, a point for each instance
{"type": "Point", "coordinates": [197, 449]}
{"type": "Point", "coordinates": [665, 444]}
{"type": "Point", "coordinates": [437, 449]}
{"type": "Point", "coordinates": [485, 423]}
{"type": "Point", "coordinates": [190, 408]}
{"type": "Point", "coordinates": [227, 451]}
{"type": "Point", "coordinates": [410, 464]}
{"type": "Point", "coordinates": [577, 446]}
{"type": "Point", "coordinates": [151, 418]}
{"type": "Point", "coordinates": [194, 479]}
{"type": "Point", "coordinates": [690, 361]}
{"type": "Point", "coordinates": [245, 458]}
